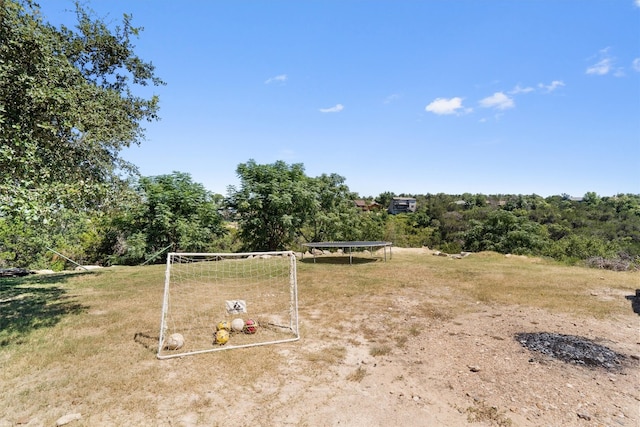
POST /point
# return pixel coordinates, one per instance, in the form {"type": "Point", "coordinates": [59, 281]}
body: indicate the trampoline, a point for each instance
{"type": "Point", "coordinates": [350, 246]}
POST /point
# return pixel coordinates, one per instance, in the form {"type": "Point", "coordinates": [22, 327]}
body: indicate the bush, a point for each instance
{"type": "Point", "coordinates": [623, 262]}
{"type": "Point", "coordinates": [574, 248]}
{"type": "Point", "coordinates": [451, 247]}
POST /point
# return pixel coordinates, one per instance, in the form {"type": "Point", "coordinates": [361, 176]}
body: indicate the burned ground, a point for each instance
{"type": "Point", "coordinates": [572, 349]}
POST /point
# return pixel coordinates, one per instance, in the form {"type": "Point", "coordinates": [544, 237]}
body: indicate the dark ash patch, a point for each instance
{"type": "Point", "coordinates": [571, 349]}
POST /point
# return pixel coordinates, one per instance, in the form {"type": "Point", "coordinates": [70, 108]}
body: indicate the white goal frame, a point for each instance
{"type": "Point", "coordinates": [199, 288]}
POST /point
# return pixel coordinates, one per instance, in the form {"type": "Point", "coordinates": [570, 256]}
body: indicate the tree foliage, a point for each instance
{"type": "Point", "coordinates": [67, 108]}
{"type": "Point", "coordinates": [333, 216]}
{"type": "Point", "coordinates": [174, 213]}
{"type": "Point", "coordinates": [278, 206]}
{"type": "Point", "coordinates": [272, 204]}
{"type": "Point", "coordinates": [564, 228]}
{"type": "Point", "coordinates": [505, 232]}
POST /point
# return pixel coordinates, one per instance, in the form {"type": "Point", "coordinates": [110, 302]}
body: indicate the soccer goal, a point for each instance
{"type": "Point", "coordinates": [221, 301]}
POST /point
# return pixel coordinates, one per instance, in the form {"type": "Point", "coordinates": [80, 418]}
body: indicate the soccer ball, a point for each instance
{"type": "Point", "coordinates": [174, 342]}
{"type": "Point", "coordinates": [250, 326]}
{"type": "Point", "coordinates": [237, 325]}
{"type": "Point", "coordinates": [222, 336]}
{"type": "Point", "coordinates": [224, 325]}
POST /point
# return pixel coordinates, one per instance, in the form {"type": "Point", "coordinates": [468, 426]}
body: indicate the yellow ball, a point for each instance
{"type": "Point", "coordinates": [222, 336]}
{"type": "Point", "coordinates": [224, 325]}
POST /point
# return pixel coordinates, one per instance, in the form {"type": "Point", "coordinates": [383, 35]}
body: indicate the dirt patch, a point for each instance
{"type": "Point", "coordinates": [467, 370]}
{"type": "Point", "coordinates": [470, 369]}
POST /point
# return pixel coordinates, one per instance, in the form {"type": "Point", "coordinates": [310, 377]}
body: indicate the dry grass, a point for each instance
{"type": "Point", "coordinates": [328, 356]}
{"type": "Point", "coordinates": [86, 342]}
{"type": "Point", "coordinates": [481, 412]}
{"type": "Point", "coordinates": [380, 350]}
{"type": "Point", "coordinates": [357, 375]}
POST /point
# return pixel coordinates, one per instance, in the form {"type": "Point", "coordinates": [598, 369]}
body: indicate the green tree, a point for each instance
{"type": "Point", "coordinates": [272, 204]}
{"type": "Point", "coordinates": [67, 108]}
{"type": "Point", "coordinates": [174, 212]}
{"type": "Point", "coordinates": [334, 216]}
{"type": "Point", "coordinates": [372, 225]}
{"type": "Point", "coordinates": [384, 199]}
{"type": "Point", "coordinates": [405, 230]}
{"type": "Point", "coordinates": [76, 234]}
{"type": "Point", "coordinates": [574, 248]}
{"type": "Point", "coordinates": [591, 198]}
{"type": "Point", "coordinates": [505, 232]}
{"type": "Point", "coordinates": [21, 245]}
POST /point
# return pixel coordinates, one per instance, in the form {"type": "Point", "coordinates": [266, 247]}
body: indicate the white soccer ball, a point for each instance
{"type": "Point", "coordinates": [237, 325]}
{"type": "Point", "coordinates": [174, 342]}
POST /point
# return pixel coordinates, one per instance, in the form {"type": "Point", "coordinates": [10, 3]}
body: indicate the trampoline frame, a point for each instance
{"type": "Point", "coordinates": [350, 246]}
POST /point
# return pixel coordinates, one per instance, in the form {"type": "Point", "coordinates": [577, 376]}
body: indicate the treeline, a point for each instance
{"type": "Point", "coordinates": [277, 206]}
{"type": "Point", "coordinates": [600, 231]}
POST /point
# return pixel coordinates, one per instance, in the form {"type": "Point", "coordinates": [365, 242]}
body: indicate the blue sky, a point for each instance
{"type": "Point", "coordinates": [460, 96]}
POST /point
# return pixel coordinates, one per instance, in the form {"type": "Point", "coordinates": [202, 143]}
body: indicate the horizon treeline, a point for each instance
{"type": "Point", "coordinates": [278, 207]}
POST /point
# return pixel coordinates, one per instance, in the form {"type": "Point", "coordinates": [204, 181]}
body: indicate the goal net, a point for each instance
{"type": "Point", "coordinates": [205, 292]}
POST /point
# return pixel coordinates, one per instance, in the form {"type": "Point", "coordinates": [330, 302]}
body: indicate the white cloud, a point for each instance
{"type": "Point", "coordinates": [637, 3]}
{"type": "Point", "coordinates": [498, 100]}
{"type": "Point", "coordinates": [518, 90]}
{"type": "Point", "coordinates": [636, 62]}
{"type": "Point", "coordinates": [335, 109]}
{"type": "Point", "coordinates": [551, 86]}
{"type": "Point", "coordinates": [600, 68]}
{"type": "Point", "coordinates": [281, 78]}
{"type": "Point", "coordinates": [603, 66]}
{"type": "Point", "coordinates": [444, 106]}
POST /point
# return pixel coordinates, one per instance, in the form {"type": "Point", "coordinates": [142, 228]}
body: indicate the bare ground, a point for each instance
{"type": "Point", "coordinates": [450, 370]}
{"type": "Point", "coordinates": [466, 370]}
{"type": "Point", "coordinates": [469, 369]}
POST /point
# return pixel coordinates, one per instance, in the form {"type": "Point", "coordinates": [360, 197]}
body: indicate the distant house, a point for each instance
{"type": "Point", "coordinates": [363, 205]}
{"type": "Point", "coordinates": [402, 205]}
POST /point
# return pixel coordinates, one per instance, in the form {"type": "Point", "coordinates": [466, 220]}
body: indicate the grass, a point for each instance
{"type": "Point", "coordinates": [380, 350]}
{"type": "Point", "coordinates": [481, 412]}
{"type": "Point", "coordinates": [330, 356]}
{"type": "Point", "coordinates": [86, 342]}
{"type": "Point", "coordinates": [357, 375]}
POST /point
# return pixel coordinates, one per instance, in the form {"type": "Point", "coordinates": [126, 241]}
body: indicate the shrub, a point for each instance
{"type": "Point", "coordinates": [623, 262]}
